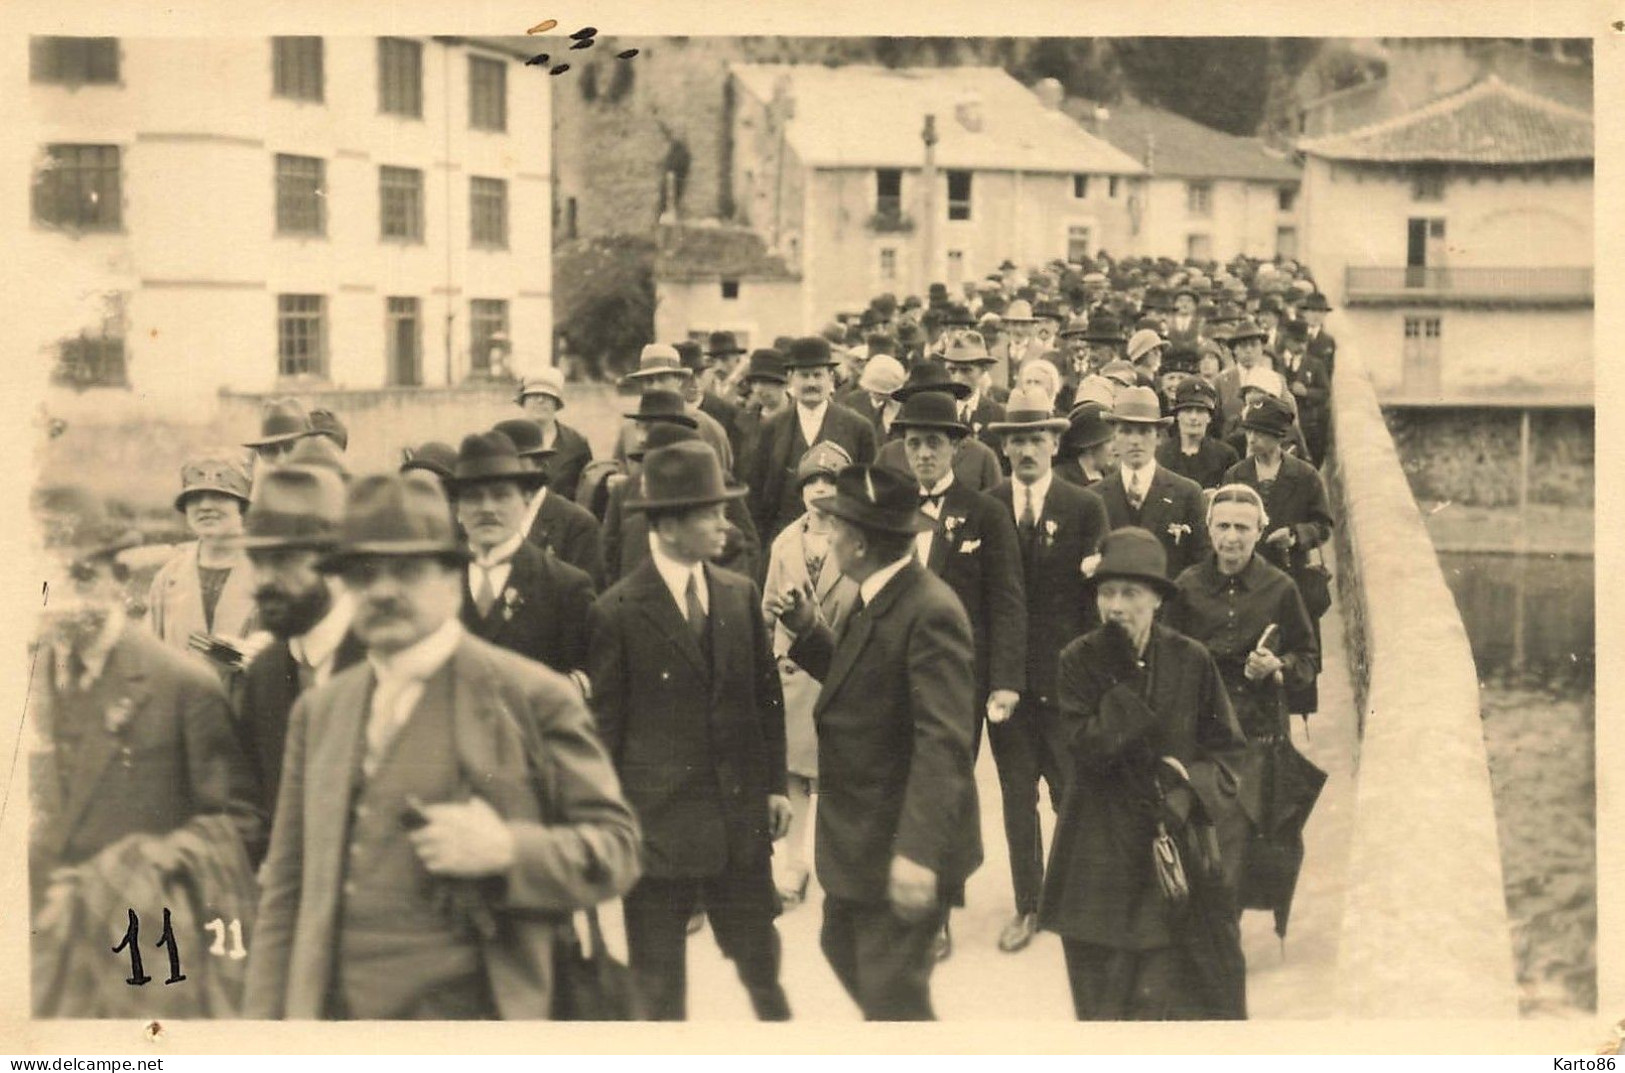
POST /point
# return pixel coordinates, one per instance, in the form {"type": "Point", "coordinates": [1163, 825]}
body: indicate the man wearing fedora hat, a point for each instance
{"type": "Point", "coordinates": [764, 382]}
{"type": "Point", "coordinates": [442, 802]}
{"type": "Point", "coordinates": [1146, 711]}
{"type": "Point", "coordinates": [516, 594]}
{"type": "Point", "coordinates": [293, 520]}
{"type": "Point", "coordinates": [1142, 493]}
{"type": "Point", "coordinates": [1310, 386]}
{"type": "Point", "coordinates": [722, 352]}
{"type": "Point", "coordinates": [1185, 326]}
{"type": "Point", "coordinates": [812, 418]}
{"type": "Point", "coordinates": [687, 695]}
{"type": "Point", "coordinates": [898, 827]}
{"type": "Point", "coordinates": [968, 363]}
{"type": "Point", "coordinates": [541, 397]}
{"type": "Point", "coordinates": [976, 465]}
{"type": "Point", "coordinates": [697, 391]}
{"type": "Point", "coordinates": [661, 368]}
{"type": "Point", "coordinates": [138, 738]}
{"type": "Point", "coordinates": [1059, 527]}
{"type": "Point", "coordinates": [283, 422]}
{"type": "Point", "coordinates": [1321, 344]}
{"type": "Point", "coordinates": [551, 521]}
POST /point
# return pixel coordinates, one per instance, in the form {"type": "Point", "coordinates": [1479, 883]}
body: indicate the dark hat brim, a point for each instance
{"type": "Point", "coordinates": [980, 359]}
{"type": "Point", "coordinates": [1279, 432]}
{"type": "Point", "coordinates": [285, 437]}
{"type": "Point", "coordinates": [180, 500]}
{"type": "Point", "coordinates": [335, 560]}
{"type": "Point", "coordinates": [644, 374]}
{"type": "Point", "coordinates": [957, 390]}
{"type": "Point", "coordinates": [677, 419]}
{"type": "Point", "coordinates": [1115, 419]}
{"type": "Point", "coordinates": [1164, 587]}
{"type": "Point", "coordinates": [771, 378]}
{"type": "Point", "coordinates": [528, 480]}
{"type": "Point", "coordinates": [728, 493]}
{"type": "Point", "coordinates": [954, 429]}
{"type": "Point", "coordinates": [865, 516]}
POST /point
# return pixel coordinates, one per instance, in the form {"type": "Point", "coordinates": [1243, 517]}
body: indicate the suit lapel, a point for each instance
{"type": "Point", "coordinates": [655, 600]}
{"type": "Point", "coordinates": [335, 733]}
{"type": "Point", "coordinates": [123, 677]}
{"type": "Point", "coordinates": [721, 615]}
{"type": "Point", "coordinates": [855, 641]}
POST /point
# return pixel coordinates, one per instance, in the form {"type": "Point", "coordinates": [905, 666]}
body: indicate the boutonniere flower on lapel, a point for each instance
{"type": "Point", "coordinates": [1049, 532]}
{"type": "Point", "coordinates": [1178, 530]}
{"type": "Point", "coordinates": [511, 599]}
{"type": "Point", "coordinates": [118, 715]}
{"type": "Point", "coordinates": [951, 524]}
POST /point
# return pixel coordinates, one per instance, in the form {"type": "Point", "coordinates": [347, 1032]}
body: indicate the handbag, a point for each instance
{"type": "Point", "coordinates": [589, 984]}
{"type": "Point", "coordinates": [1166, 863]}
{"type": "Point", "coordinates": [1315, 585]}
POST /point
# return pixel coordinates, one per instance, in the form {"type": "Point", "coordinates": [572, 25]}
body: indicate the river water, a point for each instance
{"type": "Point", "coordinates": [1531, 621]}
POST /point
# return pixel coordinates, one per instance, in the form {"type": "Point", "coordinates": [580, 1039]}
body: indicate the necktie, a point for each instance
{"type": "Point", "coordinates": [931, 502]}
{"type": "Point", "coordinates": [1028, 520]}
{"type": "Point", "coordinates": [1136, 492]}
{"type": "Point", "coordinates": [486, 594]}
{"type": "Point", "coordinates": [384, 720]}
{"type": "Point", "coordinates": [696, 612]}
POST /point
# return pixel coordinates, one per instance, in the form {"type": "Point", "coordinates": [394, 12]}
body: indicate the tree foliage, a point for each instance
{"type": "Point", "coordinates": [604, 299]}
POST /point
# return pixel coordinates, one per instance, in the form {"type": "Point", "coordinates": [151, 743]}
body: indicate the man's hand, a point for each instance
{"type": "Point", "coordinates": [778, 816]}
{"type": "Point", "coordinates": [1281, 538]}
{"type": "Point", "coordinates": [1001, 705]}
{"type": "Point", "coordinates": [465, 839]}
{"type": "Point", "coordinates": [1089, 565]}
{"type": "Point", "coordinates": [1261, 665]}
{"type": "Point", "coordinates": [1298, 389]}
{"type": "Point", "coordinates": [912, 890]}
{"type": "Point", "coordinates": [796, 609]}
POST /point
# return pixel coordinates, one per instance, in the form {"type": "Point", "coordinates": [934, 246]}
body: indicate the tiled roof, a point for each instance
{"type": "Point", "coordinates": [713, 250]}
{"type": "Point", "coordinates": [1489, 122]}
{"type": "Point", "coordinates": [1183, 148]}
{"type": "Point", "coordinates": [861, 116]}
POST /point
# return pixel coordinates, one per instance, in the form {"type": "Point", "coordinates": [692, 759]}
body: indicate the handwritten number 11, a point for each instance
{"type": "Point", "coordinates": [131, 942]}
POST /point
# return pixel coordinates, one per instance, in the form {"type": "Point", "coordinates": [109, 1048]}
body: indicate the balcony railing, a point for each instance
{"type": "Point", "coordinates": [1488, 285]}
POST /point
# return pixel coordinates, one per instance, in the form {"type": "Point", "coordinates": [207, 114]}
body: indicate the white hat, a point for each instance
{"type": "Point", "coordinates": [883, 374]}
{"type": "Point", "coordinates": [1265, 379]}
{"type": "Point", "coordinates": [547, 381]}
{"type": "Point", "coordinates": [1143, 342]}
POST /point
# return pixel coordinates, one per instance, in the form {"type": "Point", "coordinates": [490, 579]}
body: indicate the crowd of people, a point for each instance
{"type": "Point", "coordinates": [403, 726]}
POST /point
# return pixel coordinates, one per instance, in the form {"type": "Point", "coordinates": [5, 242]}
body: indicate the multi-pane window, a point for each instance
{"type": "Point", "coordinates": [400, 203]}
{"type": "Point", "coordinates": [888, 192]}
{"type": "Point", "coordinates": [1421, 353]}
{"type": "Point", "coordinates": [73, 61]}
{"type": "Point", "coordinates": [78, 186]}
{"type": "Point", "coordinates": [403, 340]}
{"type": "Point", "coordinates": [888, 264]}
{"type": "Point", "coordinates": [1199, 247]}
{"type": "Point", "coordinates": [1199, 199]}
{"type": "Point", "coordinates": [488, 212]}
{"type": "Point", "coordinates": [296, 67]}
{"type": "Point", "coordinates": [959, 195]}
{"type": "Point", "coordinates": [487, 94]}
{"type": "Point", "coordinates": [1286, 198]}
{"type": "Point", "coordinates": [301, 335]}
{"type": "Point", "coordinates": [1080, 186]}
{"type": "Point", "coordinates": [91, 360]}
{"type": "Point", "coordinates": [301, 195]}
{"type": "Point", "coordinates": [488, 330]}
{"type": "Point", "coordinates": [400, 77]}
{"type": "Point", "coordinates": [1079, 238]}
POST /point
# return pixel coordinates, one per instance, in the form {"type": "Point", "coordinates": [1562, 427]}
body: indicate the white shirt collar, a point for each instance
{"type": "Point", "coordinates": [870, 587]}
{"type": "Point", "coordinates": [812, 421]}
{"type": "Point", "coordinates": [501, 552]}
{"type": "Point", "coordinates": [676, 575]}
{"type": "Point", "coordinates": [1037, 491]}
{"type": "Point", "coordinates": [316, 646]}
{"type": "Point", "coordinates": [1143, 475]}
{"type": "Point", "coordinates": [420, 661]}
{"type": "Point", "coordinates": [943, 485]}
{"type": "Point", "coordinates": [94, 655]}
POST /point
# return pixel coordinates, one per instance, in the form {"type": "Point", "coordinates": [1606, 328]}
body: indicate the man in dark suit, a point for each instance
{"type": "Point", "coordinates": [293, 519]}
{"type": "Point", "coordinates": [1311, 386]}
{"type": "Point", "coordinates": [542, 397]}
{"type": "Point", "coordinates": [443, 802]}
{"type": "Point", "coordinates": [898, 822]}
{"type": "Point", "coordinates": [1059, 527]}
{"type": "Point", "coordinates": [1145, 494]}
{"type": "Point", "coordinates": [972, 545]}
{"type": "Point", "coordinates": [697, 393]}
{"type": "Point", "coordinates": [515, 594]}
{"type": "Point", "coordinates": [968, 361]}
{"type": "Point", "coordinates": [140, 735]}
{"type": "Point", "coordinates": [784, 438]}
{"type": "Point", "coordinates": [688, 701]}
{"type": "Point", "coordinates": [560, 525]}
{"type": "Point", "coordinates": [1321, 345]}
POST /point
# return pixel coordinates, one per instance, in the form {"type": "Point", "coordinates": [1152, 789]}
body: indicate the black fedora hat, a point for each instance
{"type": "Point", "coordinates": [809, 352]}
{"type": "Point", "coordinates": [431, 457]}
{"type": "Point", "coordinates": [931, 410]}
{"type": "Point", "coordinates": [663, 406]}
{"type": "Point", "coordinates": [876, 498]}
{"type": "Point", "coordinates": [1315, 302]}
{"type": "Point", "coordinates": [390, 514]}
{"type": "Point", "coordinates": [1180, 358]}
{"type": "Point", "coordinates": [281, 421]}
{"type": "Point", "coordinates": [1104, 329]}
{"type": "Point", "coordinates": [722, 344]}
{"type": "Point", "coordinates": [1134, 554]}
{"type": "Point", "coordinates": [294, 506]}
{"type": "Point", "coordinates": [490, 456]}
{"type": "Point", "coordinates": [526, 436]}
{"type": "Point", "coordinates": [930, 375]}
{"type": "Point", "coordinates": [680, 476]}
{"type": "Point", "coordinates": [1086, 427]}
{"type": "Point", "coordinates": [690, 355]}
{"type": "Point", "coordinates": [765, 364]}
{"type": "Point", "coordinates": [664, 434]}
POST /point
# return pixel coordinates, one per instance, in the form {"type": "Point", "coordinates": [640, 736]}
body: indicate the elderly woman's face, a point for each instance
{"type": "Point", "coordinates": [1234, 529]}
{"type": "Point", "coordinates": [1130, 604]}
{"type": "Point", "coordinates": [1041, 377]}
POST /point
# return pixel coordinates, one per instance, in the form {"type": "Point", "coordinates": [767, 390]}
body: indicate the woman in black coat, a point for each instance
{"type": "Point", "coordinates": [1145, 712]}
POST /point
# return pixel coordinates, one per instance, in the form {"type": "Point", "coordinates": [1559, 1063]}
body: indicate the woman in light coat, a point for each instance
{"type": "Point", "coordinates": [800, 560]}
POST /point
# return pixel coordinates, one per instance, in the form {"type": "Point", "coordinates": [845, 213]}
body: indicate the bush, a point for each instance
{"type": "Point", "coordinates": [604, 299]}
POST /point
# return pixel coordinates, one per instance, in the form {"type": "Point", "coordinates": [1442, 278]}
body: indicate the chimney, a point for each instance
{"type": "Point", "coordinates": [1151, 152]}
{"type": "Point", "coordinates": [1049, 93]}
{"type": "Point", "coordinates": [968, 110]}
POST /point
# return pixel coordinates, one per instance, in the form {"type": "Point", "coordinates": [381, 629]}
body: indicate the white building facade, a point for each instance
{"type": "Point", "coordinates": [284, 214]}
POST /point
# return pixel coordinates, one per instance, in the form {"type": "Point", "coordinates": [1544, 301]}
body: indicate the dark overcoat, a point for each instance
{"type": "Point", "coordinates": [1173, 512]}
{"type": "Point", "coordinates": [976, 551]}
{"type": "Point", "coordinates": [774, 501]}
{"type": "Point", "coordinates": [569, 531]}
{"type": "Point", "coordinates": [541, 613]}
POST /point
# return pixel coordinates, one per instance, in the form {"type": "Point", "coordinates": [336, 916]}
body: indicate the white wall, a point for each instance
{"type": "Point", "coordinates": [1531, 353]}
{"type": "Point", "coordinates": [198, 256]}
{"type": "Point", "coordinates": [1243, 220]}
{"type": "Point", "coordinates": [763, 310]}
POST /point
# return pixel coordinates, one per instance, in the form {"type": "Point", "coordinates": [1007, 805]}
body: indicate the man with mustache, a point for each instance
{"type": "Point", "coordinates": [292, 520]}
{"type": "Point", "coordinates": [517, 595]}
{"type": "Point", "coordinates": [443, 802]}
